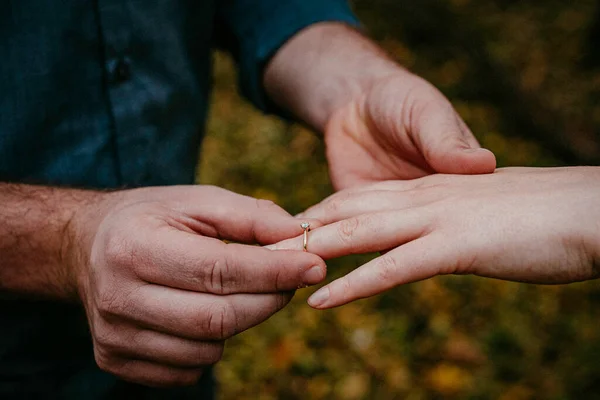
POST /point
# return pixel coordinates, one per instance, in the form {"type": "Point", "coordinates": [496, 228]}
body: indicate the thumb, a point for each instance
{"type": "Point", "coordinates": [448, 145]}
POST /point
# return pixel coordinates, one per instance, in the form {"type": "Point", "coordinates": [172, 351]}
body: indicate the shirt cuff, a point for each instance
{"type": "Point", "coordinates": [259, 39]}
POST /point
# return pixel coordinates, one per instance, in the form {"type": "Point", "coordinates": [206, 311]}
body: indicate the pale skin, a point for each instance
{"type": "Point", "coordinates": [161, 291]}
{"type": "Point", "coordinates": [536, 225]}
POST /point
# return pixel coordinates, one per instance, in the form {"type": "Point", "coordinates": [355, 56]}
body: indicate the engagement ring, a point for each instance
{"type": "Point", "coordinates": [306, 227]}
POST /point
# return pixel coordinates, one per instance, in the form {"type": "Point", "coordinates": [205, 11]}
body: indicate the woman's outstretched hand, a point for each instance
{"type": "Point", "coordinates": [537, 225]}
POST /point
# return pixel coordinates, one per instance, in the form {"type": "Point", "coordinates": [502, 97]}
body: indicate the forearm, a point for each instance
{"type": "Point", "coordinates": [36, 238]}
{"type": "Point", "coordinates": [322, 68]}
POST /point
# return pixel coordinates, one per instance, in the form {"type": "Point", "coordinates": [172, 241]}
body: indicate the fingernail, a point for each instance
{"type": "Point", "coordinates": [475, 150]}
{"type": "Point", "coordinates": [319, 298]}
{"type": "Point", "coordinates": [314, 275]}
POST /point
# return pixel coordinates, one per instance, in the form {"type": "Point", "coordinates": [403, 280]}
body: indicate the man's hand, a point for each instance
{"type": "Point", "coordinates": [519, 224]}
{"type": "Point", "coordinates": [161, 290]}
{"type": "Point", "coordinates": [380, 121]}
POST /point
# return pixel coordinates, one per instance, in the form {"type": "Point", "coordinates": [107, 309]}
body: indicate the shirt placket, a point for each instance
{"type": "Point", "coordinates": [132, 135]}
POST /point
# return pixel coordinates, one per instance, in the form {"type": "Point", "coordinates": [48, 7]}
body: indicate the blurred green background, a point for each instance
{"type": "Point", "coordinates": [525, 75]}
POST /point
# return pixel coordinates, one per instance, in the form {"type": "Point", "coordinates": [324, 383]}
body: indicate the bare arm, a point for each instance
{"type": "Point", "coordinates": [35, 237]}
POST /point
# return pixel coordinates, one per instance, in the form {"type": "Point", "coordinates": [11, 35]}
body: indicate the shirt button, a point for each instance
{"type": "Point", "coordinates": [119, 71]}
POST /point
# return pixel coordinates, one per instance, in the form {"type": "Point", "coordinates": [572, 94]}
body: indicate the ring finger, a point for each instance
{"type": "Point", "coordinates": [364, 233]}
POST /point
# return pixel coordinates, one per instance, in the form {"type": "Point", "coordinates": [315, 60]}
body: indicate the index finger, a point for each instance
{"type": "Point", "coordinates": [237, 217]}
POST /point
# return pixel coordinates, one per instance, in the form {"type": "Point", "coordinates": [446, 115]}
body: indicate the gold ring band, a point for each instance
{"type": "Point", "coordinates": [306, 227]}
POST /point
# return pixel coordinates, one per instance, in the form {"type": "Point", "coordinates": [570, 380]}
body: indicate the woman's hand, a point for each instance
{"type": "Point", "coordinates": [519, 224]}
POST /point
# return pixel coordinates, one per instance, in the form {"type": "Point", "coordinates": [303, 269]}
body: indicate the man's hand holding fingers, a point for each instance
{"type": "Point", "coordinates": [162, 291]}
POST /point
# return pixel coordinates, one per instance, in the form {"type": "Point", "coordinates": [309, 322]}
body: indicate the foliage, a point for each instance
{"type": "Point", "coordinates": [522, 75]}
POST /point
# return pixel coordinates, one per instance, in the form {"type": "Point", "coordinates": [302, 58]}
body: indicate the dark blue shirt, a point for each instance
{"type": "Point", "coordinates": [106, 94]}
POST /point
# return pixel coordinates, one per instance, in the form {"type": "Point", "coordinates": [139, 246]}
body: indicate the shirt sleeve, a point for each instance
{"type": "Point", "coordinates": [253, 31]}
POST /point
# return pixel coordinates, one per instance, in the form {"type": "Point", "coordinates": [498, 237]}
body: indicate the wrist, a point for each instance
{"type": "Point", "coordinates": [85, 217]}
{"type": "Point", "coordinates": [323, 68]}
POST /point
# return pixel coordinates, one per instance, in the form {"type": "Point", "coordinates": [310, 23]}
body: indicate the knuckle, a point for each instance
{"type": "Point", "coordinates": [464, 265]}
{"type": "Point", "coordinates": [386, 268]}
{"type": "Point", "coordinates": [221, 321]}
{"type": "Point", "coordinates": [347, 230]}
{"type": "Point", "coordinates": [279, 279]}
{"type": "Point", "coordinates": [333, 205]}
{"type": "Point", "coordinates": [217, 354]}
{"type": "Point", "coordinates": [281, 300]}
{"type": "Point", "coordinates": [116, 302]}
{"type": "Point", "coordinates": [108, 303]}
{"type": "Point", "coordinates": [107, 339]}
{"type": "Point", "coordinates": [345, 286]}
{"type": "Point", "coordinates": [120, 251]}
{"type": "Point", "coordinates": [218, 270]}
{"type": "Point", "coordinates": [337, 202]}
